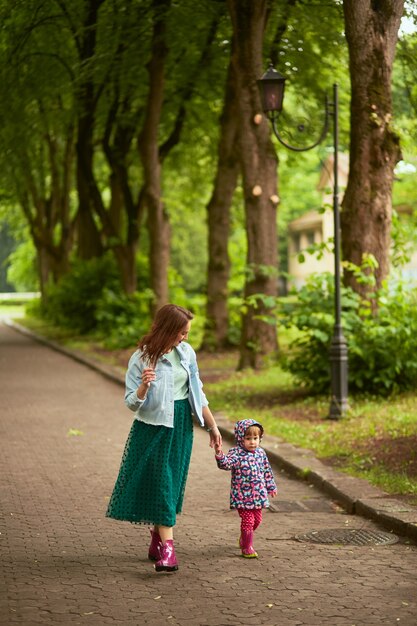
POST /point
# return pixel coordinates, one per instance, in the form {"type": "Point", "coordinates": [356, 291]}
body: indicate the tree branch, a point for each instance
{"type": "Point", "coordinates": [188, 92]}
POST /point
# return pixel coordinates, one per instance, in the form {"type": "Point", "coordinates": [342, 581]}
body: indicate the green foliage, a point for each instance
{"type": "Point", "coordinates": [6, 246]}
{"type": "Point", "coordinates": [21, 272]}
{"type": "Point", "coordinates": [123, 319]}
{"type": "Point", "coordinates": [404, 216]}
{"type": "Point", "coordinates": [234, 307]}
{"type": "Point", "coordinates": [381, 345]}
{"type": "Point", "coordinates": [90, 301]}
{"type": "Point", "coordinates": [312, 313]}
{"type": "Point", "coordinates": [405, 92]}
{"type": "Point", "coordinates": [73, 302]}
{"type": "Point", "coordinates": [42, 80]}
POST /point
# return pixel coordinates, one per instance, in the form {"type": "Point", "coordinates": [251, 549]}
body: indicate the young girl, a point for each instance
{"type": "Point", "coordinates": [164, 390]}
{"type": "Point", "coordinates": [252, 480]}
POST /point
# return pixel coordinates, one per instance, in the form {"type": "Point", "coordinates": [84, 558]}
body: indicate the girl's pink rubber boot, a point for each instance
{"type": "Point", "coordinates": [154, 552]}
{"type": "Point", "coordinates": [168, 561]}
{"type": "Point", "coordinates": [246, 540]}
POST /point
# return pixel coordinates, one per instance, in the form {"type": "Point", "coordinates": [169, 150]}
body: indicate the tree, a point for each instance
{"type": "Point", "coordinates": [37, 137]}
{"type": "Point", "coordinates": [371, 33]}
{"type": "Point", "coordinates": [259, 172]}
{"type": "Point", "coordinates": [218, 217]}
{"type": "Point", "coordinates": [153, 151]}
{"type": "Point", "coordinates": [158, 221]}
{"type": "Point", "coordinates": [218, 208]}
{"type": "Point", "coordinates": [86, 96]}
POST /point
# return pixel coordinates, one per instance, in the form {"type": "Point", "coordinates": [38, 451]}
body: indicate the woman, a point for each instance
{"type": "Point", "coordinates": [164, 389]}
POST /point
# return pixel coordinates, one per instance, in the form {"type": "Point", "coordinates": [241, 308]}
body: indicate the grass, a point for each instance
{"type": "Point", "coordinates": [362, 444]}
{"type": "Point", "coordinates": [12, 310]}
{"type": "Point", "coordinates": [376, 440]}
{"type": "Point", "coordinates": [54, 333]}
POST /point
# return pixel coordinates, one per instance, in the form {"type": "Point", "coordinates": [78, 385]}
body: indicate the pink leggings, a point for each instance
{"type": "Point", "coordinates": [250, 518]}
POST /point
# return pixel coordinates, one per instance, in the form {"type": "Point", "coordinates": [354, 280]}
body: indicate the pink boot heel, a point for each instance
{"type": "Point", "coordinates": [154, 552]}
{"type": "Point", "coordinates": [168, 561]}
{"type": "Point", "coordinates": [246, 546]}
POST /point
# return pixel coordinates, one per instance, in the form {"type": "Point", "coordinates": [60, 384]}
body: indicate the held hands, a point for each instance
{"type": "Point", "coordinates": [215, 438]}
{"type": "Point", "coordinates": [218, 449]}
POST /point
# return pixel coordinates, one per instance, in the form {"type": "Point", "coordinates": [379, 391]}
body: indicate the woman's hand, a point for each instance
{"type": "Point", "coordinates": [210, 424]}
{"type": "Point", "coordinates": [148, 375]}
{"type": "Point", "coordinates": [215, 438]}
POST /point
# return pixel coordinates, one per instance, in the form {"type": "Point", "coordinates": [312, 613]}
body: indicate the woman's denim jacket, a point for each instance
{"type": "Point", "coordinates": [157, 407]}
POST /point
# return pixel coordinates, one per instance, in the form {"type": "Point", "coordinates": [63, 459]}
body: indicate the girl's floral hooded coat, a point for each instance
{"type": "Point", "coordinates": [252, 478]}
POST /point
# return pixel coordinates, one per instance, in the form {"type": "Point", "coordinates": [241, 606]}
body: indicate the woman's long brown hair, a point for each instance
{"type": "Point", "coordinates": [168, 322]}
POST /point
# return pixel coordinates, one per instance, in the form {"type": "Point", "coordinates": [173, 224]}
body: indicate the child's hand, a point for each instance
{"type": "Point", "coordinates": [273, 494]}
{"type": "Point", "coordinates": [218, 449]}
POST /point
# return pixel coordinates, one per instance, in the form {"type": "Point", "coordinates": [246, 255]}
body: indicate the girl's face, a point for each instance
{"type": "Point", "coordinates": [182, 335]}
{"type": "Point", "coordinates": [251, 439]}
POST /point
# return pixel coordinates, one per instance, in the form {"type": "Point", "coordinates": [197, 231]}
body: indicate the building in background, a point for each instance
{"type": "Point", "coordinates": [317, 227]}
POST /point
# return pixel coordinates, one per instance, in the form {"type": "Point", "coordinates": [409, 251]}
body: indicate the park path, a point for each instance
{"type": "Point", "coordinates": [63, 428]}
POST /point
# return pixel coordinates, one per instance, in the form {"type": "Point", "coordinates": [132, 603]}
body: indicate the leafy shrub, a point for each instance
{"type": "Point", "coordinates": [234, 306]}
{"type": "Point", "coordinates": [123, 319]}
{"type": "Point", "coordinates": [22, 267]}
{"type": "Point", "coordinates": [194, 302]}
{"type": "Point", "coordinates": [72, 302]}
{"type": "Point", "coordinates": [90, 300]}
{"type": "Point", "coordinates": [381, 346]}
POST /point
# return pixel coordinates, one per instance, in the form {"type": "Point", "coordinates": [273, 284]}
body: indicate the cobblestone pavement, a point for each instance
{"type": "Point", "coordinates": [63, 428]}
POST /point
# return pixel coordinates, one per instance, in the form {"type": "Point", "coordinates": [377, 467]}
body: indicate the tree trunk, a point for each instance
{"type": "Point", "coordinates": [371, 32]}
{"type": "Point", "coordinates": [88, 237]}
{"type": "Point", "coordinates": [125, 243]}
{"type": "Point", "coordinates": [218, 216]}
{"type": "Point", "coordinates": [124, 214]}
{"type": "Point", "coordinates": [88, 240]}
{"type": "Point", "coordinates": [48, 210]}
{"type": "Point", "coordinates": [259, 170]}
{"type": "Point", "coordinates": [158, 221]}
{"type": "Point", "coordinates": [125, 250]}
{"type": "Point", "coordinates": [126, 262]}
{"type": "Point", "coordinates": [43, 272]}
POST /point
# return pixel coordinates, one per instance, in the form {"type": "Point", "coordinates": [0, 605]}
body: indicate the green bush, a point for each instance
{"type": "Point", "coordinates": [123, 319]}
{"type": "Point", "coordinates": [72, 302]}
{"type": "Point", "coordinates": [90, 300]}
{"type": "Point", "coordinates": [381, 346]}
{"type": "Point", "coordinates": [22, 267]}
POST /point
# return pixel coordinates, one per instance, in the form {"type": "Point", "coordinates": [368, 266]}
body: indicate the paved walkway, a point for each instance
{"type": "Point", "coordinates": [63, 428]}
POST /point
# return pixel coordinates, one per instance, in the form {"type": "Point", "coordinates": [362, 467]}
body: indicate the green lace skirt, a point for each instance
{"type": "Point", "coordinates": [153, 472]}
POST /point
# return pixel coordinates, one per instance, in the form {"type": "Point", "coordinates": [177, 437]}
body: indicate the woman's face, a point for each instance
{"type": "Point", "coordinates": [182, 335]}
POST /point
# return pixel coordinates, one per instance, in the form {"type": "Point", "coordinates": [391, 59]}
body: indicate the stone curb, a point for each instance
{"type": "Point", "coordinates": [355, 495]}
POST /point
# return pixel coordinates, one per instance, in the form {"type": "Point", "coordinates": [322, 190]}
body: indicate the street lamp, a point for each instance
{"type": "Point", "coordinates": [271, 87]}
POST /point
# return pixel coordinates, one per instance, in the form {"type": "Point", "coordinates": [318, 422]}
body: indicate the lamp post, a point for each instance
{"type": "Point", "coordinates": [271, 87]}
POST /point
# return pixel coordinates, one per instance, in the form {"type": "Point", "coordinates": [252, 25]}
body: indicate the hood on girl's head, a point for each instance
{"type": "Point", "coordinates": [242, 426]}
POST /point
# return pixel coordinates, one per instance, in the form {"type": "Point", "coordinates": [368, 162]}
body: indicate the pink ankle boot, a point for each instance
{"type": "Point", "coordinates": [168, 561]}
{"type": "Point", "coordinates": [154, 552]}
{"type": "Point", "coordinates": [246, 546]}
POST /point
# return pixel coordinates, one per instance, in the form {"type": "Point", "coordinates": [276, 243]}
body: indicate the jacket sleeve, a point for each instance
{"type": "Point", "coordinates": [270, 484]}
{"type": "Point", "coordinates": [228, 461]}
{"type": "Point", "coordinates": [194, 370]}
